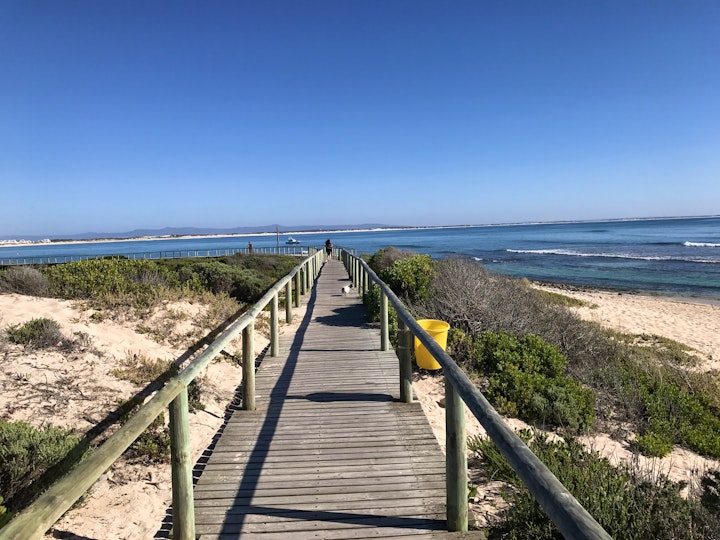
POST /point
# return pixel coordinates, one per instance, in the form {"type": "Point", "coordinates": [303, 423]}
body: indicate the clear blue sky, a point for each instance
{"type": "Point", "coordinates": [146, 114]}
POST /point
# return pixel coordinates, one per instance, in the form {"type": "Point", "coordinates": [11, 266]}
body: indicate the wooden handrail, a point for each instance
{"type": "Point", "coordinates": [568, 515]}
{"type": "Point", "coordinates": [37, 518]}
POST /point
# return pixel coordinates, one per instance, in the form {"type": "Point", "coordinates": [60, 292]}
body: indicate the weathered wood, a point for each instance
{"type": "Point", "coordinates": [181, 463]}
{"type": "Point", "coordinates": [456, 458]}
{"type": "Point", "coordinates": [405, 362]}
{"type": "Point", "coordinates": [288, 302]}
{"type": "Point", "coordinates": [384, 329]}
{"type": "Point", "coordinates": [330, 450]}
{"type": "Point", "coordinates": [248, 368]}
{"type": "Point", "coordinates": [298, 291]}
{"type": "Point", "coordinates": [571, 519]}
{"type": "Point", "coordinates": [274, 327]}
{"type": "Point", "coordinates": [52, 504]}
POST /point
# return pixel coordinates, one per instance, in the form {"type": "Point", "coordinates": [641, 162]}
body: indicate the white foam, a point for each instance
{"type": "Point", "coordinates": [571, 253]}
{"type": "Point", "coordinates": [701, 244]}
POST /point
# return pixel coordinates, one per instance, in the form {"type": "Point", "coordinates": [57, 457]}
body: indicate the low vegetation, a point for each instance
{"type": "Point", "coordinates": [142, 291]}
{"type": "Point", "coordinates": [533, 358]}
{"type": "Point", "coordinates": [116, 283]}
{"type": "Point", "coordinates": [629, 503]}
{"type": "Point", "coordinates": [26, 454]}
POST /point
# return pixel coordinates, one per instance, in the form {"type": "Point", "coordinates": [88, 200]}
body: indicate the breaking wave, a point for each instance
{"type": "Point", "coordinates": [572, 253]}
{"type": "Point", "coordinates": [701, 244]}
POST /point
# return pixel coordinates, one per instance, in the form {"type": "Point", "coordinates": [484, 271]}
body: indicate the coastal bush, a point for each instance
{"type": "Point", "coordinates": [24, 280]}
{"type": "Point", "coordinates": [26, 453]}
{"type": "Point", "coordinates": [111, 282]}
{"type": "Point", "coordinates": [384, 258]}
{"type": "Point", "coordinates": [627, 502]}
{"type": "Point", "coordinates": [475, 300]}
{"type": "Point", "coordinates": [410, 278]}
{"type": "Point", "coordinates": [641, 380]}
{"type": "Point", "coordinates": [39, 333]}
{"type": "Point", "coordinates": [235, 280]}
{"type": "Point", "coordinates": [525, 378]}
{"type": "Point", "coordinates": [676, 415]}
{"type": "Point", "coordinates": [272, 267]}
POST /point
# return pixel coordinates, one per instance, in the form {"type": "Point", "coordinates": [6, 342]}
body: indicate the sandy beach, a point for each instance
{"type": "Point", "coordinates": [78, 390]}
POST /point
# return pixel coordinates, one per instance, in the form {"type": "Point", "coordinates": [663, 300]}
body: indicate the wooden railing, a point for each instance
{"type": "Point", "coordinates": [571, 519]}
{"type": "Point", "coordinates": [297, 251]}
{"type": "Point", "coordinates": [51, 505]}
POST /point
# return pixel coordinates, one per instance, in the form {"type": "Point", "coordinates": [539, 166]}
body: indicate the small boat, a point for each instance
{"type": "Point", "coordinates": [292, 241]}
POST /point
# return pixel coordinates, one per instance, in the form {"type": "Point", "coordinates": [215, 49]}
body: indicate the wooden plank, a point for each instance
{"type": "Point", "coordinates": [330, 451]}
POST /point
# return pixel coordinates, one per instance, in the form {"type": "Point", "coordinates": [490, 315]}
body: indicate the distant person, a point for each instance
{"type": "Point", "coordinates": [328, 249]}
{"type": "Point", "coordinates": [250, 248]}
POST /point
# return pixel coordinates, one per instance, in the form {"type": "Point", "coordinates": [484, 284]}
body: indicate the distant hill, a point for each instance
{"type": "Point", "coordinates": [199, 231]}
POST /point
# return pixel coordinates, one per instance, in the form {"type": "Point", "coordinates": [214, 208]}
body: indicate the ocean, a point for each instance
{"type": "Point", "coordinates": [679, 256]}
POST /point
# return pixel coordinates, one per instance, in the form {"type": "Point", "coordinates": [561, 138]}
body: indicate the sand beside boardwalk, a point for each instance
{"type": "Point", "coordinates": [131, 501]}
{"type": "Point", "coordinates": [76, 390]}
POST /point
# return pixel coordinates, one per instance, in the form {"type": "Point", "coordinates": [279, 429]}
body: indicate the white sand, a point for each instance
{"type": "Point", "coordinates": [77, 391]}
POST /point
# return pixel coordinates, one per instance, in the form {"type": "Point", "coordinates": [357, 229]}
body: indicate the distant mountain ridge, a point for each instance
{"type": "Point", "coordinates": [202, 231]}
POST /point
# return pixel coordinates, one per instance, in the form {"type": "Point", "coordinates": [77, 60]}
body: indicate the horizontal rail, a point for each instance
{"type": "Point", "coordinates": [37, 518]}
{"type": "Point", "coordinates": [568, 515]}
{"type": "Point", "coordinates": [297, 251]}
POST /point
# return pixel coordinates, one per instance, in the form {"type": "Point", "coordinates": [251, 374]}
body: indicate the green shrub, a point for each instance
{"type": "Point", "coordinates": [39, 333]}
{"type": "Point", "coordinates": [26, 453]}
{"type": "Point", "coordinates": [110, 282]}
{"type": "Point", "coordinates": [245, 285]}
{"type": "Point", "coordinates": [525, 378]}
{"type": "Point", "coordinates": [676, 415]}
{"type": "Point", "coordinates": [386, 257]}
{"type": "Point", "coordinates": [410, 278]}
{"type": "Point", "coordinates": [627, 503]}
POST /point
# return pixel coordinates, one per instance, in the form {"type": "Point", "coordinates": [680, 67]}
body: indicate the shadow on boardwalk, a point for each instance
{"type": "Point", "coordinates": [329, 452]}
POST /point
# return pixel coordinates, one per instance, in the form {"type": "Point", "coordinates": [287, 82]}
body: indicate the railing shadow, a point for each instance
{"type": "Point", "coordinates": [236, 516]}
{"type": "Point", "coordinates": [94, 436]}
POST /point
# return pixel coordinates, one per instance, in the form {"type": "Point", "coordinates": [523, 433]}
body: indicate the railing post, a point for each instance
{"type": "Point", "coordinates": [297, 289]}
{"type": "Point", "coordinates": [308, 274]}
{"type": "Point", "coordinates": [384, 326]}
{"type": "Point", "coordinates": [455, 460]}
{"type": "Point", "coordinates": [248, 367]}
{"type": "Point", "coordinates": [303, 280]}
{"type": "Point", "coordinates": [366, 284]}
{"type": "Point", "coordinates": [181, 462]}
{"type": "Point", "coordinates": [404, 343]}
{"type": "Point", "coordinates": [288, 301]}
{"type": "Point", "coordinates": [274, 327]}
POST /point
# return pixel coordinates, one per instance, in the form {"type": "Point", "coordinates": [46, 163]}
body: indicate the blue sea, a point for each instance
{"type": "Point", "coordinates": [667, 256]}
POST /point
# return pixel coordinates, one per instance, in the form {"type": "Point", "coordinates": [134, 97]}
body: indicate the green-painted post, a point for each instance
{"type": "Point", "coordinates": [405, 338]}
{"type": "Point", "coordinates": [288, 301]}
{"type": "Point", "coordinates": [384, 326]}
{"type": "Point", "coordinates": [455, 460]}
{"type": "Point", "coordinates": [274, 327]}
{"type": "Point", "coordinates": [248, 367]}
{"type": "Point", "coordinates": [181, 463]}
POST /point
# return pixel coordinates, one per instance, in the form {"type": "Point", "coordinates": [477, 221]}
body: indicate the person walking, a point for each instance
{"type": "Point", "coordinates": [328, 249]}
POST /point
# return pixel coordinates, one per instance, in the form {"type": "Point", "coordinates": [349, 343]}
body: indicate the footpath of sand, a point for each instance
{"type": "Point", "coordinates": [131, 501]}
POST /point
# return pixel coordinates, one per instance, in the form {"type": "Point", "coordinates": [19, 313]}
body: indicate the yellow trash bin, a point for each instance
{"type": "Point", "coordinates": [438, 330]}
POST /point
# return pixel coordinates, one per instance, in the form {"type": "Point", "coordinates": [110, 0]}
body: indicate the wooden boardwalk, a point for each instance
{"type": "Point", "coordinates": [330, 452]}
